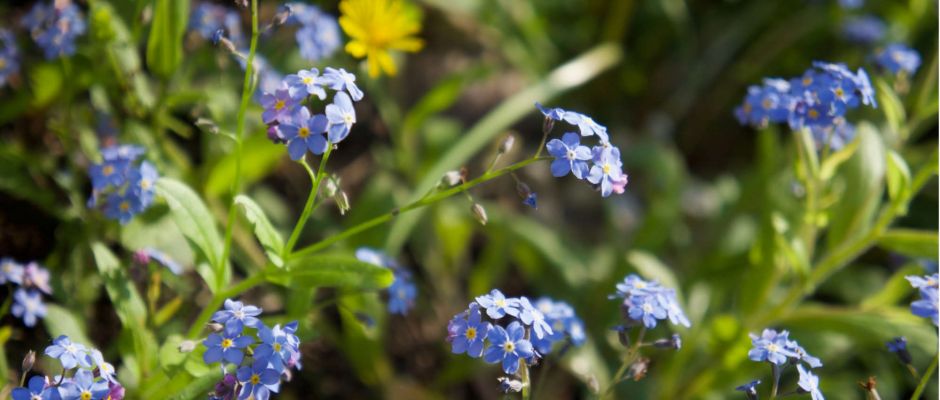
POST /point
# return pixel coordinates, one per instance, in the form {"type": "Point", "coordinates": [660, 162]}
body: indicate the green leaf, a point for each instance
{"type": "Point", "coordinates": [270, 239]}
{"type": "Point", "coordinates": [862, 181]}
{"type": "Point", "coordinates": [198, 387]}
{"type": "Point", "coordinates": [195, 222]}
{"type": "Point", "coordinates": [61, 321]}
{"type": "Point", "coordinates": [170, 355]}
{"type": "Point", "coordinates": [832, 163]}
{"type": "Point", "coordinates": [261, 155]}
{"type": "Point", "coordinates": [867, 328]}
{"type": "Point", "coordinates": [552, 247]}
{"type": "Point", "coordinates": [46, 82]}
{"type": "Point", "coordinates": [165, 45]}
{"type": "Point", "coordinates": [894, 290]}
{"type": "Point", "coordinates": [331, 270]}
{"type": "Point", "coordinates": [899, 179]}
{"type": "Point", "coordinates": [891, 105]}
{"type": "Point", "coordinates": [911, 243]}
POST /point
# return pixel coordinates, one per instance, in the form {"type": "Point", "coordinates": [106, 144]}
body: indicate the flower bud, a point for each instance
{"type": "Point", "coordinates": [622, 335]}
{"type": "Point", "coordinates": [29, 361]}
{"type": "Point", "coordinates": [187, 346]}
{"type": "Point", "coordinates": [673, 342]}
{"type": "Point", "coordinates": [283, 13]}
{"type": "Point", "coordinates": [509, 385]}
{"type": "Point", "coordinates": [547, 125]}
{"type": "Point", "coordinates": [450, 179]}
{"type": "Point", "coordinates": [207, 125]}
{"type": "Point", "coordinates": [332, 186]}
{"type": "Point", "coordinates": [479, 213]}
{"type": "Point", "coordinates": [342, 202]}
{"type": "Point", "coordinates": [506, 144]}
{"type": "Point", "coordinates": [869, 387]}
{"type": "Point", "coordinates": [593, 385]}
{"type": "Point", "coordinates": [215, 326]}
{"type": "Point", "coordinates": [639, 368]}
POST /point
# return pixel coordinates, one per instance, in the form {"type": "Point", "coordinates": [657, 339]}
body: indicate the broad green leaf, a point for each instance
{"type": "Point", "coordinates": [270, 239]}
{"type": "Point", "coordinates": [198, 387]}
{"type": "Point", "coordinates": [911, 243]}
{"type": "Point", "coordinates": [898, 177]}
{"type": "Point", "coordinates": [258, 159]}
{"type": "Point", "coordinates": [891, 105]}
{"type": "Point", "coordinates": [165, 44]}
{"type": "Point", "coordinates": [894, 290]}
{"type": "Point", "coordinates": [331, 270]}
{"type": "Point", "coordinates": [862, 180]}
{"type": "Point", "coordinates": [170, 355]}
{"type": "Point", "coordinates": [195, 222]}
{"type": "Point", "coordinates": [46, 83]}
{"type": "Point", "coordinates": [61, 321]}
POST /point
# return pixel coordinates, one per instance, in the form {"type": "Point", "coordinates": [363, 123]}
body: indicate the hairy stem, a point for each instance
{"type": "Point", "coordinates": [924, 380]}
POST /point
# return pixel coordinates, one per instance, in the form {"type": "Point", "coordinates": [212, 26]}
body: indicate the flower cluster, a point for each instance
{"type": "Point", "coordinates": [927, 305]}
{"type": "Point", "coordinates": [376, 27]}
{"type": "Point", "coordinates": [54, 27]}
{"type": "Point", "coordinates": [290, 121]}
{"type": "Point", "coordinates": [898, 59]}
{"type": "Point", "coordinates": [93, 377]}
{"type": "Point", "coordinates": [818, 100]}
{"type": "Point", "coordinates": [211, 21]}
{"type": "Point", "coordinates": [514, 332]}
{"type": "Point", "coordinates": [648, 302]}
{"type": "Point", "coordinates": [32, 281]}
{"type": "Point", "coordinates": [865, 30]}
{"type": "Point", "coordinates": [402, 292]}
{"type": "Point", "coordinates": [779, 351]}
{"type": "Point", "coordinates": [600, 165]}
{"type": "Point", "coordinates": [127, 187]}
{"type": "Point", "coordinates": [260, 363]}
{"type": "Point", "coordinates": [318, 34]}
{"type": "Point", "coordinates": [9, 56]}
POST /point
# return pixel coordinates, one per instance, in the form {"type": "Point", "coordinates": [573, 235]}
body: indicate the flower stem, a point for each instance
{"type": "Point", "coordinates": [924, 380]}
{"type": "Point", "coordinates": [316, 177]}
{"type": "Point", "coordinates": [424, 201]}
{"type": "Point", "coordinates": [776, 386]}
{"type": "Point", "coordinates": [627, 361]}
{"type": "Point", "coordinates": [526, 382]}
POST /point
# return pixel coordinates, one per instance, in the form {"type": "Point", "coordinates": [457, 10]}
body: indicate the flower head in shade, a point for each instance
{"type": "Point", "coordinates": [305, 83]}
{"type": "Point", "coordinates": [497, 305]}
{"type": "Point", "coordinates": [69, 354]}
{"type": "Point", "coordinates": [401, 295]}
{"type": "Point", "coordinates": [749, 389]}
{"type": "Point", "coordinates": [128, 189]}
{"type": "Point", "coordinates": [570, 156]}
{"type": "Point", "coordinates": [225, 388]}
{"type": "Point", "coordinates": [258, 380]}
{"type": "Point", "coordinates": [607, 169]}
{"type": "Point", "coordinates": [898, 346]}
{"type": "Point", "coordinates": [227, 346]}
{"type": "Point", "coordinates": [305, 133]}
{"type": "Point", "coordinates": [771, 346]}
{"type": "Point", "coordinates": [341, 116]}
{"type": "Point", "coordinates": [340, 80]}
{"type": "Point", "coordinates": [237, 314]}
{"type": "Point", "coordinates": [9, 56]}
{"type": "Point", "coordinates": [318, 34]}
{"type": "Point", "coordinates": [36, 389]}
{"type": "Point", "coordinates": [470, 333]}
{"type": "Point", "coordinates": [115, 391]}
{"type": "Point", "coordinates": [508, 346]}
{"type": "Point", "coordinates": [898, 58]}
{"type": "Point", "coordinates": [378, 27]}
{"type": "Point", "coordinates": [809, 383]}
{"type": "Point", "coordinates": [865, 30]}
{"type": "Point", "coordinates": [85, 386]}
{"type": "Point", "coordinates": [10, 271]}
{"type": "Point", "coordinates": [54, 27]}
{"type": "Point", "coordinates": [28, 306]}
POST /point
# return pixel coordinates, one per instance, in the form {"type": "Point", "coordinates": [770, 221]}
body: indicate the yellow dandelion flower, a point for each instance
{"type": "Point", "coordinates": [377, 26]}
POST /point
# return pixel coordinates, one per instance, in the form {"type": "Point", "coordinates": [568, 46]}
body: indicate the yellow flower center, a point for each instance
{"type": "Point", "coordinates": [255, 379]}
{"type": "Point", "coordinates": [509, 347]}
{"type": "Point", "coordinates": [307, 80]}
{"type": "Point", "coordinates": [767, 104]}
{"type": "Point", "coordinates": [278, 105]}
{"type": "Point", "coordinates": [471, 333]}
{"type": "Point", "coordinates": [86, 395]}
{"type": "Point", "coordinates": [145, 184]}
{"type": "Point", "coordinates": [773, 348]}
{"type": "Point", "coordinates": [501, 303]}
{"type": "Point", "coordinates": [839, 92]}
{"type": "Point", "coordinates": [125, 206]}
{"type": "Point", "coordinates": [303, 132]}
{"type": "Point", "coordinates": [3, 63]}
{"type": "Point", "coordinates": [606, 168]}
{"type": "Point", "coordinates": [107, 170]}
{"type": "Point", "coordinates": [277, 347]}
{"type": "Point", "coordinates": [807, 80]}
{"type": "Point", "coordinates": [226, 343]}
{"type": "Point", "coordinates": [348, 119]}
{"type": "Point", "coordinates": [813, 114]}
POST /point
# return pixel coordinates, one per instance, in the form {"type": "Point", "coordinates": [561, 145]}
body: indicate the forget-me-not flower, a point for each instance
{"type": "Point", "coordinates": [305, 83]}
{"type": "Point", "coordinates": [278, 107]}
{"type": "Point", "coordinates": [28, 306]}
{"type": "Point", "coordinates": [10, 271]}
{"type": "Point", "coordinates": [339, 80]}
{"type": "Point", "coordinates": [897, 58]}
{"type": "Point", "coordinates": [84, 386]}
{"type": "Point", "coordinates": [470, 333]}
{"type": "Point", "coordinates": [497, 305]}
{"type": "Point", "coordinates": [401, 295]}
{"type": "Point", "coordinates": [770, 346]}
{"type": "Point", "coordinates": [226, 346]}
{"type": "Point", "coordinates": [258, 380]}
{"type": "Point", "coordinates": [570, 156]}
{"type": "Point", "coordinates": [36, 390]}
{"type": "Point", "coordinates": [305, 132]}
{"type": "Point", "coordinates": [508, 346]}
{"type": "Point", "coordinates": [69, 354]}
{"type": "Point", "coordinates": [341, 116]}
{"type": "Point", "coordinates": [809, 383]}
{"type": "Point", "coordinates": [531, 316]}
{"type": "Point", "coordinates": [238, 314]}
{"type": "Point", "coordinates": [606, 170]}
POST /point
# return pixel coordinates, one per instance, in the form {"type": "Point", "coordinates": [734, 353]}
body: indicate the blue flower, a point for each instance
{"type": "Point", "coordinates": [124, 152]}
{"type": "Point", "coordinates": [497, 305]}
{"type": "Point", "coordinates": [55, 28]}
{"type": "Point", "coordinates": [531, 200]}
{"type": "Point", "coordinates": [634, 285]}
{"type": "Point", "coordinates": [122, 207]}
{"type": "Point", "coordinates": [9, 56]}
{"type": "Point", "coordinates": [570, 156]}
{"type": "Point", "coordinates": [305, 83]}
{"type": "Point", "coordinates": [142, 182]}
{"type": "Point", "coordinates": [109, 173]}
{"type": "Point", "coordinates": [147, 254]}
{"type": "Point", "coordinates": [227, 346]}
{"type": "Point", "coordinates": [237, 314]}
{"type": "Point", "coordinates": [339, 80]}
{"type": "Point", "coordinates": [470, 333]}
{"type": "Point", "coordinates": [36, 390]}
{"type": "Point", "coordinates": [401, 295]}
{"type": "Point", "coordinates": [10, 271]}
{"type": "Point", "coordinates": [375, 257]}
{"type": "Point", "coordinates": [673, 310]}
{"type": "Point", "coordinates": [305, 133]}
{"type": "Point", "coordinates": [926, 281]}
{"type": "Point", "coordinates": [278, 107]}
{"type": "Point", "coordinates": [809, 383]}
{"type": "Point", "coordinates": [105, 369]}
{"type": "Point", "coordinates": [508, 345]}
{"type": "Point", "coordinates": [898, 58]}
{"type": "Point", "coordinates": [28, 305]}
{"type": "Point", "coordinates": [84, 386]}
{"type": "Point", "coordinates": [749, 389]}
{"type": "Point", "coordinates": [771, 346]}
{"type": "Point", "coordinates": [36, 277]}
{"type": "Point", "coordinates": [646, 308]}
{"type": "Point", "coordinates": [927, 305]}
{"type": "Point", "coordinates": [341, 116]}
{"type": "Point", "coordinates": [556, 114]}
{"type": "Point", "coordinates": [897, 344]}
{"type": "Point", "coordinates": [563, 321]}
{"type": "Point", "coordinates": [277, 347]}
{"type": "Point", "coordinates": [802, 355]}
{"type": "Point", "coordinates": [69, 354]}
{"type": "Point", "coordinates": [586, 125]}
{"type": "Point", "coordinates": [533, 317]}
{"type": "Point", "coordinates": [318, 36]}
{"type": "Point", "coordinates": [258, 380]}
{"type": "Point", "coordinates": [864, 30]}
{"type": "Point", "coordinates": [606, 170]}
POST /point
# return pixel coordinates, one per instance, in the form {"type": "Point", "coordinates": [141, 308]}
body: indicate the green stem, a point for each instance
{"type": "Point", "coordinates": [627, 361]}
{"type": "Point", "coordinates": [526, 382]}
{"type": "Point", "coordinates": [240, 134]}
{"type": "Point", "coordinates": [808, 158]}
{"type": "Point", "coordinates": [316, 178]}
{"type": "Point", "coordinates": [424, 201]}
{"type": "Point", "coordinates": [926, 378]}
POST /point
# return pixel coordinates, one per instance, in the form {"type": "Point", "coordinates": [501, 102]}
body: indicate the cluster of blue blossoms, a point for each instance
{"type": "Point", "coordinates": [898, 59]}
{"type": "Point", "coordinates": [32, 281]}
{"type": "Point", "coordinates": [402, 292]}
{"type": "Point", "coordinates": [9, 56]}
{"type": "Point", "coordinates": [529, 331]}
{"type": "Point", "coordinates": [318, 33]}
{"type": "Point", "coordinates": [54, 26]}
{"type": "Point", "coordinates": [605, 170]}
{"type": "Point", "coordinates": [927, 305]}
{"type": "Point", "coordinates": [93, 377]}
{"type": "Point", "coordinates": [259, 373]}
{"type": "Point", "coordinates": [126, 187]}
{"type": "Point", "coordinates": [779, 351]}
{"type": "Point", "coordinates": [647, 303]}
{"type": "Point", "coordinates": [290, 121]}
{"type": "Point", "coordinates": [818, 100]}
{"type": "Point", "coordinates": [212, 21]}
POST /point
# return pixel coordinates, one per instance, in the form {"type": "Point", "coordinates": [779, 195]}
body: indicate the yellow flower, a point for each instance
{"type": "Point", "coordinates": [377, 26]}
